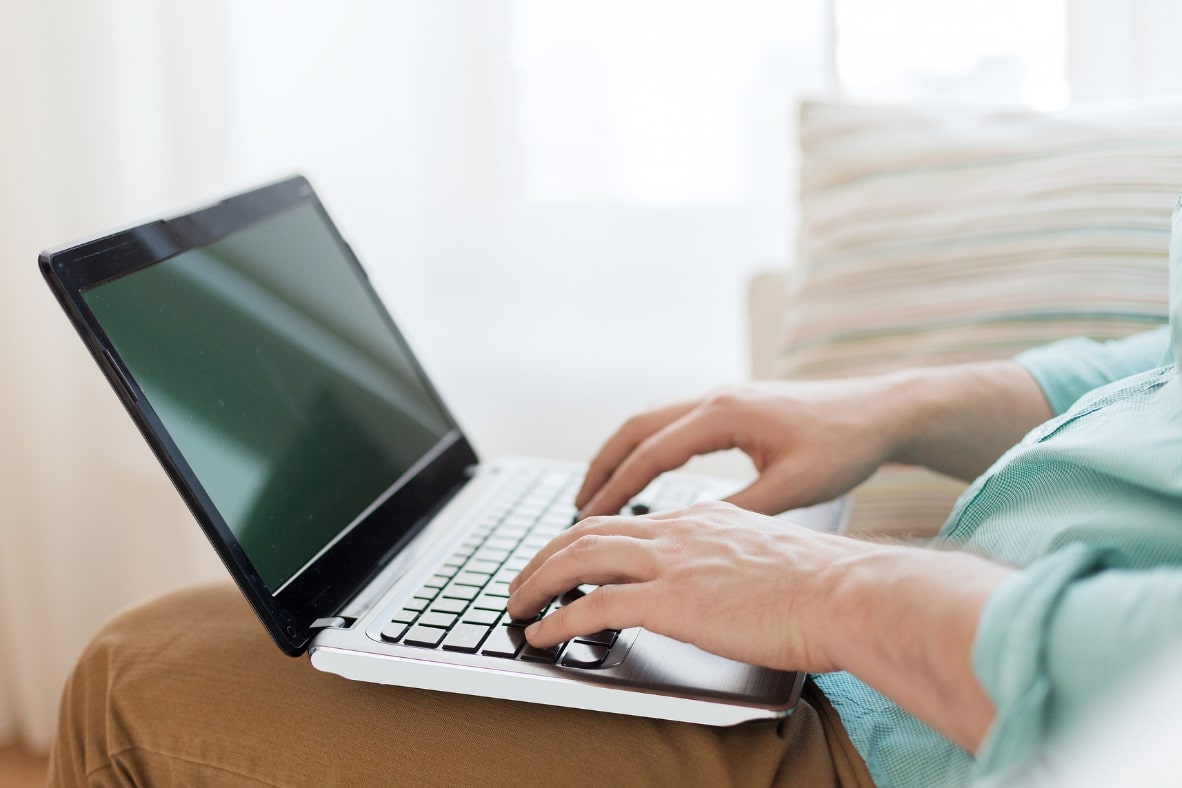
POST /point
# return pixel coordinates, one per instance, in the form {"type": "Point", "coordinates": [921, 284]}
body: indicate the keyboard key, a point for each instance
{"type": "Point", "coordinates": [481, 616]}
{"type": "Point", "coordinates": [490, 602]}
{"type": "Point", "coordinates": [584, 655]}
{"type": "Point", "coordinates": [470, 579]}
{"type": "Point", "coordinates": [424, 636]}
{"type": "Point", "coordinates": [428, 592]}
{"type": "Point", "coordinates": [490, 554]}
{"type": "Point", "coordinates": [482, 567]}
{"type": "Point", "coordinates": [521, 622]}
{"type": "Point", "coordinates": [465, 637]}
{"type": "Point", "coordinates": [504, 642]}
{"type": "Point", "coordinates": [438, 581]}
{"type": "Point", "coordinates": [405, 616]}
{"type": "Point", "coordinates": [455, 591]}
{"type": "Point", "coordinates": [416, 604]}
{"type": "Point", "coordinates": [505, 575]}
{"type": "Point", "coordinates": [497, 589]}
{"type": "Point", "coordinates": [436, 618]}
{"type": "Point", "coordinates": [574, 595]}
{"type": "Point", "coordinates": [605, 637]}
{"type": "Point", "coordinates": [532, 654]}
{"type": "Point", "coordinates": [447, 605]}
{"type": "Point", "coordinates": [394, 630]}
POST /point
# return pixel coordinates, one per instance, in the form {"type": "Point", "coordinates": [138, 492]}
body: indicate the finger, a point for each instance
{"type": "Point", "coordinates": [765, 495]}
{"type": "Point", "coordinates": [622, 443]}
{"type": "Point", "coordinates": [594, 558]}
{"type": "Point", "coordinates": [636, 527]}
{"type": "Point", "coordinates": [607, 607]}
{"type": "Point", "coordinates": [701, 431]}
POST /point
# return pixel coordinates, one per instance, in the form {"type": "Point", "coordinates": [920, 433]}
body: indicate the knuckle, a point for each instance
{"type": "Point", "coordinates": [718, 507]}
{"type": "Point", "coordinates": [586, 543]}
{"type": "Point", "coordinates": [588, 526]}
{"type": "Point", "coordinates": [726, 397]}
{"type": "Point", "coordinates": [675, 545]}
{"type": "Point", "coordinates": [636, 424]}
{"type": "Point", "coordinates": [597, 601]}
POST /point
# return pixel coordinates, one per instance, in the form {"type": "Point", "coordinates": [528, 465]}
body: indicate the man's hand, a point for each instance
{"type": "Point", "coordinates": [762, 591]}
{"type": "Point", "coordinates": [810, 442]}
{"type": "Point", "coordinates": [813, 441]}
{"type": "Point", "coordinates": [729, 581]}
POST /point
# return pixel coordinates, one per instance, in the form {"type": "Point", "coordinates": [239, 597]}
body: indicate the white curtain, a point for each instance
{"type": "Point", "coordinates": [99, 101]}
{"type": "Point", "coordinates": [561, 202]}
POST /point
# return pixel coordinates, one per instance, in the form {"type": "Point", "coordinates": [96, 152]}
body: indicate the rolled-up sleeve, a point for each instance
{"type": "Point", "coordinates": [1069, 369]}
{"type": "Point", "coordinates": [1056, 637]}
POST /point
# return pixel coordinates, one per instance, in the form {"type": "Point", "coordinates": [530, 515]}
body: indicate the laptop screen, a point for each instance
{"type": "Point", "coordinates": [268, 361]}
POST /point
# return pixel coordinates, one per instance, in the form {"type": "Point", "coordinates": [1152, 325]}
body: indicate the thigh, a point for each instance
{"type": "Point", "coordinates": [189, 690]}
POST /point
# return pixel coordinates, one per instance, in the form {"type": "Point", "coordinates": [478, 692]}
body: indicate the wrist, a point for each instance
{"type": "Point", "coordinates": [901, 401]}
{"type": "Point", "coordinates": [903, 620]}
{"type": "Point", "coordinates": [847, 590]}
{"type": "Point", "coordinates": [958, 419]}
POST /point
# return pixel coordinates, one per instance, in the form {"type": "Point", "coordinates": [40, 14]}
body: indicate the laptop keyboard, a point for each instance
{"type": "Point", "coordinates": [462, 607]}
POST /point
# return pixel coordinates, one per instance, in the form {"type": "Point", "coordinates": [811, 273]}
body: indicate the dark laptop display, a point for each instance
{"type": "Point", "coordinates": [295, 416]}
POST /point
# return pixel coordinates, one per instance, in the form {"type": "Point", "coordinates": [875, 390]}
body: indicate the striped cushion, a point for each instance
{"type": "Point", "coordinates": [935, 236]}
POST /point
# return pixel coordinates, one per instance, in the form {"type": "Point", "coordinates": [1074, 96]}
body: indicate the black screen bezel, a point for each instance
{"type": "Point", "coordinates": [322, 588]}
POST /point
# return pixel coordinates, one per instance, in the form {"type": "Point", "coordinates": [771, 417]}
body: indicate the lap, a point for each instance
{"type": "Point", "coordinates": [188, 689]}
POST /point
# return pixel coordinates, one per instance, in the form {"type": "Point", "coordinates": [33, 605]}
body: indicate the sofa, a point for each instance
{"type": "Point", "coordinates": [947, 234]}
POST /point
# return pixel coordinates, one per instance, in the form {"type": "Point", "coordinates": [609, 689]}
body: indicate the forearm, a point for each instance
{"type": "Point", "coordinates": [903, 620]}
{"type": "Point", "coordinates": [958, 420]}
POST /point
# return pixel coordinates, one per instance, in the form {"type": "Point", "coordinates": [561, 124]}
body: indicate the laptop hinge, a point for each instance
{"type": "Point", "coordinates": [332, 622]}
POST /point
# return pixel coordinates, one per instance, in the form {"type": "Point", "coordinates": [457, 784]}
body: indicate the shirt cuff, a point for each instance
{"type": "Point", "coordinates": [1068, 369]}
{"type": "Point", "coordinates": [1009, 656]}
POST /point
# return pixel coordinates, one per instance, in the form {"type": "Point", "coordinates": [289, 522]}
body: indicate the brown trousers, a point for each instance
{"type": "Point", "coordinates": [188, 690]}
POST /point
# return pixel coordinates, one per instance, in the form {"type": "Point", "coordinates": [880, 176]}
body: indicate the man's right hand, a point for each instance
{"type": "Point", "coordinates": [809, 441]}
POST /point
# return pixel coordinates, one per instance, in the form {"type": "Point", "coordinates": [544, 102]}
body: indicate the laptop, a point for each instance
{"type": "Point", "coordinates": [248, 345]}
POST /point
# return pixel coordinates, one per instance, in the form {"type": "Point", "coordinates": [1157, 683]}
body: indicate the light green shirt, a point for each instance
{"type": "Point", "coordinates": [1089, 504]}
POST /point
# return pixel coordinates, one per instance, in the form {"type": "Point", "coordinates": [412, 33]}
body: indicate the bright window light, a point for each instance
{"type": "Point", "coordinates": [658, 101]}
{"type": "Point", "coordinates": [995, 51]}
